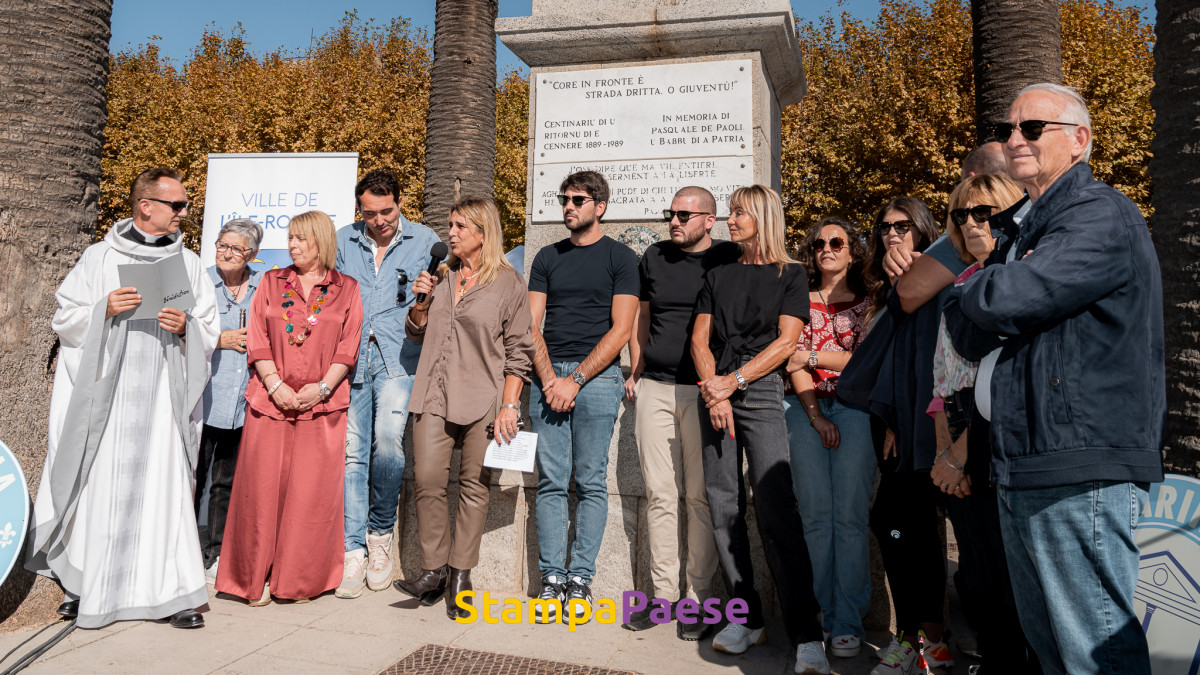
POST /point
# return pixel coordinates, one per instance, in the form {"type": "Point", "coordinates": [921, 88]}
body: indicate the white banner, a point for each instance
{"type": "Point", "coordinates": [270, 188]}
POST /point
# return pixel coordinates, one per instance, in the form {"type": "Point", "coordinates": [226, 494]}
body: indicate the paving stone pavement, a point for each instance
{"type": "Point", "coordinates": [366, 635]}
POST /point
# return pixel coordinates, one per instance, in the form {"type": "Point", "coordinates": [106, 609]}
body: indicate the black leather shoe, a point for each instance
{"type": "Point", "coordinates": [188, 618]}
{"type": "Point", "coordinates": [69, 609]}
{"type": "Point", "coordinates": [639, 620]}
{"type": "Point", "coordinates": [692, 632]}
{"type": "Point", "coordinates": [427, 588]}
{"type": "Point", "coordinates": [460, 580]}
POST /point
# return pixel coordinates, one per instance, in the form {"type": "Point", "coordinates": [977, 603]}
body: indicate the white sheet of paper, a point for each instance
{"type": "Point", "coordinates": [517, 455]}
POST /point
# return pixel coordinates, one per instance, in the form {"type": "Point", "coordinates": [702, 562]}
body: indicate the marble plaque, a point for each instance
{"type": "Point", "coordinates": [649, 129]}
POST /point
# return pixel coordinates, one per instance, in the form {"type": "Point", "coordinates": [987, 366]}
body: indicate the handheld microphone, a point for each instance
{"type": "Point", "coordinates": [437, 253]}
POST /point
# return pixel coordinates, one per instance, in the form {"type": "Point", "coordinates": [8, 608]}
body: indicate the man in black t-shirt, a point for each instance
{"type": "Point", "coordinates": [662, 383]}
{"type": "Point", "coordinates": [586, 287]}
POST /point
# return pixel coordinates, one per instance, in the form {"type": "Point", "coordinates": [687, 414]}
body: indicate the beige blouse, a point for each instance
{"type": "Point", "coordinates": [468, 349]}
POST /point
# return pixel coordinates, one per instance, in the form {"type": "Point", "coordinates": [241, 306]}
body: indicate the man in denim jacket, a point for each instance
{"type": "Point", "coordinates": [1070, 329]}
{"type": "Point", "coordinates": [384, 253]}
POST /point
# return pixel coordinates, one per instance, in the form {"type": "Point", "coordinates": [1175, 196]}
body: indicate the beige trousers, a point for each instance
{"type": "Point", "coordinates": [670, 453]}
{"type": "Point", "coordinates": [434, 440]}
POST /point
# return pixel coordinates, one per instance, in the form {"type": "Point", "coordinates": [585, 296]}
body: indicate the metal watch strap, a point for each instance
{"type": "Point", "coordinates": [578, 377]}
{"type": "Point", "coordinates": [742, 383]}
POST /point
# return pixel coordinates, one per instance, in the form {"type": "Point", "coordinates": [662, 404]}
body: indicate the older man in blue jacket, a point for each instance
{"type": "Point", "coordinates": [384, 253]}
{"type": "Point", "coordinates": [1070, 329]}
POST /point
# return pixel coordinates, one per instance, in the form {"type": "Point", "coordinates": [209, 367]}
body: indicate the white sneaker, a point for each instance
{"type": "Point", "coordinates": [354, 575]}
{"type": "Point", "coordinates": [380, 568]}
{"type": "Point", "coordinates": [898, 659]}
{"type": "Point", "coordinates": [735, 638]}
{"type": "Point", "coordinates": [810, 659]}
{"type": "Point", "coordinates": [210, 573]}
{"type": "Point", "coordinates": [846, 646]}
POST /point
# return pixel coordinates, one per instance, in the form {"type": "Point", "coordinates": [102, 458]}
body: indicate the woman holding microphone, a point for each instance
{"type": "Point", "coordinates": [476, 329]}
{"type": "Point", "coordinates": [749, 317]}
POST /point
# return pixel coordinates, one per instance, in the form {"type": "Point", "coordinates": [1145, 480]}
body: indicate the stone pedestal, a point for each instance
{"type": "Point", "coordinates": [617, 49]}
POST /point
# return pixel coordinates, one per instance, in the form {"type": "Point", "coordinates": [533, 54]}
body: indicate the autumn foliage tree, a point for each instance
{"type": "Point", "coordinates": [890, 105]}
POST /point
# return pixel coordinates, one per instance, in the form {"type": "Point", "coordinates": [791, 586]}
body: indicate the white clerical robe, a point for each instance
{"type": "Point", "coordinates": [128, 546]}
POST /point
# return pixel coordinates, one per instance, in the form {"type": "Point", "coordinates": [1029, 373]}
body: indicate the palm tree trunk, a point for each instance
{"type": "Point", "coordinates": [1174, 168]}
{"type": "Point", "coordinates": [460, 142]}
{"type": "Point", "coordinates": [53, 72]}
{"type": "Point", "coordinates": [1016, 43]}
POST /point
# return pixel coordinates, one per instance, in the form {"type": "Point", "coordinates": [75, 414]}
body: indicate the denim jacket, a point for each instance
{"type": "Point", "coordinates": [383, 315]}
{"type": "Point", "coordinates": [224, 395]}
{"type": "Point", "coordinates": [1079, 390]}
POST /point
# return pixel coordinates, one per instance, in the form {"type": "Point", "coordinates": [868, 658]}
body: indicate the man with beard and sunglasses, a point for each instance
{"type": "Point", "coordinates": [586, 287]}
{"type": "Point", "coordinates": [662, 384]}
{"type": "Point", "coordinates": [1067, 318]}
{"type": "Point", "coordinates": [384, 253]}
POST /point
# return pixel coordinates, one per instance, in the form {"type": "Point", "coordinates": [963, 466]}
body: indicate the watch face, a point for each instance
{"type": "Point", "coordinates": [578, 377]}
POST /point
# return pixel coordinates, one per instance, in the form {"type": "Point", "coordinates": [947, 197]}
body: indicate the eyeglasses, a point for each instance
{"type": "Point", "coordinates": [684, 216]}
{"type": "Point", "coordinates": [237, 250]}
{"type": "Point", "coordinates": [577, 200]}
{"type": "Point", "coordinates": [835, 244]}
{"type": "Point", "coordinates": [980, 213]}
{"type": "Point", "coordinates": [1030, 129]}
{"type": "Point", "coordinates": [900, 226]}
{"type": "Point", "coordinates": [175, 206]}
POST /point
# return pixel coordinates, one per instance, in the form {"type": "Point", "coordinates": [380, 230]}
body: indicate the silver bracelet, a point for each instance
{"type": "Point", "coordinates": [325, 392]}
{"type": "Point", "coordinates": [511, 405]}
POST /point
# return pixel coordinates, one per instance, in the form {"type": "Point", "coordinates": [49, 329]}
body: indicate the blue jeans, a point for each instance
{"type": "Point", "coordinates": [578, 438]}
{"type": "Point", "coordinates": [1074, 566]}
{"type": "Point", "coordinates": [833, 490]}
{"type": "Point", "coordinates": [378, 412]}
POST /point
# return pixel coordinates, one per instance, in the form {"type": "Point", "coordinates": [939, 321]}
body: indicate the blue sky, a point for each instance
{"type": "Point", "coordinates": [272, 24]}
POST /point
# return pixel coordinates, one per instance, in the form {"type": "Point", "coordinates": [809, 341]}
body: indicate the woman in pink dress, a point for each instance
{"type": "Point", "coordinates": [284, 532]}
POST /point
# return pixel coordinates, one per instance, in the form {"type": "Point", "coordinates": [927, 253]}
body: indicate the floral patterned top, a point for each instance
{"type": "Point", "coordinates": [840, 327]}
{"type": "Point", "coordinates": [951, 372]}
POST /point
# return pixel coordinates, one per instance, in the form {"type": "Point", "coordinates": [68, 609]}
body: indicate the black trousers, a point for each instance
{"type": "Point", "coordinates": [218, 447]}
{"type": "Point", "coordinates": [760, 435]}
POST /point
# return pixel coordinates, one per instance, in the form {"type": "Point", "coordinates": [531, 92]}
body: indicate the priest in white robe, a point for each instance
{"type": "Point", "coordinates": [114, 521]}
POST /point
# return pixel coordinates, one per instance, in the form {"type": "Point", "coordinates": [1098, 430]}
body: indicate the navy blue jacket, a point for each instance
{"type": "Point", "coordinates": [1078, 393]}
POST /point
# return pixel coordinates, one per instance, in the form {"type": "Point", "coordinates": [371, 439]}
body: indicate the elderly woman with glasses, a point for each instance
{"type": "Point", "coordinates": [224, 395]}
{"type": "Point", "coordinates": [285, 531]}
{"type": "Point", "coordinates": [833, 457]}
{"type": "Point", "coordinates": [749, 316]}
{"type": "Point", "coordinates": [476, 327]}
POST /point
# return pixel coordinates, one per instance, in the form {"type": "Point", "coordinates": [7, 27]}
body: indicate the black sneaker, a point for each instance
{"type": "Point", "coordinates": [553, 588]}
{"type": "Point", "coordinates": [691, 632]}
{"type": "Point", "coordinates": [579, 594]}
{"type": "Point", "coordinates": [639, 620]}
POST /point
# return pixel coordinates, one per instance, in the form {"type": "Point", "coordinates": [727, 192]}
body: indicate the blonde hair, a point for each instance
{"type": "Point", "coordinates": [992, 189]}
{"type": "Point", "coordinates": [483, 215]}
{"type": "Point", "coordinates": [317, 227]}
{"type": "Point", "coordinates": [763, 204]}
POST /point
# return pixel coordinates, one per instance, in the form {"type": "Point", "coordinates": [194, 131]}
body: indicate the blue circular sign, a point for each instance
{"type": "Point", "coordinates": [14, 510]}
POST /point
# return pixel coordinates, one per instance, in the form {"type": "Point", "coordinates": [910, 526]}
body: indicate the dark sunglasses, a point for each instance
{"type": "Point", "coordinates": [684, 216]}
{"type": "Point", "coordinates": [1030, 129]}
{"type": "Point", "coordinates": [402, 285]}
{"type": "Point", "coordinates": [577, 200]}
{"type": "Point", "coordinates": [175, 206]}
{"type": "Point", "coordinates": [835, 244]}
{"type": "Point", "coordinates": [901, 226]}
{"type": "Point", "coordinates": [980, 213]}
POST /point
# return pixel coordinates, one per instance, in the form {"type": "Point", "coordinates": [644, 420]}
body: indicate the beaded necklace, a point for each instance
{"type": "Point", "coordinates": [311, 319]}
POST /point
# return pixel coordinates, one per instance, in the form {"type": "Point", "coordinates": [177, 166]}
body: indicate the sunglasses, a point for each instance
{"type": "Point", "coordinates": [835, 244]}
{"type": "Point", "coordinates": [402, 284]}
{"type": "Point", "coordinates": [577, 200]}
{"type": "Point", "coordinates": [1030, 129]}
{"type": "Point", "coordinates": [684, 216]}
{"type": "Point", "coordinates": [980, 213]}
{"type": "Point", "coordinates": [175, 206]}
{"type": "Point", "coordinates": [237, 250]}
{"type": "Point", "coordinates": [901, 226]}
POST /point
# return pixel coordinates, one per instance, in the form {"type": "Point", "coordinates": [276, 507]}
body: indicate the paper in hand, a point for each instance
{"type": "Point", "coordinates": [517, 455]}
{"type": "Point", "coordinates": [164, 283]}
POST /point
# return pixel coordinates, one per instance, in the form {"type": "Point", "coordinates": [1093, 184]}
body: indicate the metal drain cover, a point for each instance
{"type": "Point", "coordinates": [442, 660]}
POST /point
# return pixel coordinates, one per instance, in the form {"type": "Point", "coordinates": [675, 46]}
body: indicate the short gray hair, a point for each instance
{"type": "Point", "coordinates": [251, 231]}
{"type": "Point", "coordinates": [1074, 108]}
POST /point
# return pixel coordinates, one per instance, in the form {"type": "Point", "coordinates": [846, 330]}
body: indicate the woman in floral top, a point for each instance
{"type": "Point", "coordinates": [833, 459]}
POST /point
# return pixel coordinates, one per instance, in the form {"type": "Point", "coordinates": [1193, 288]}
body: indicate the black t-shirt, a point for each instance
{"type": "Point", "coordinates": [746, 302]}
{"type": "Point", "coordinates": [579, 283]}
{"type": "Point", "coordinates": [671, 280]}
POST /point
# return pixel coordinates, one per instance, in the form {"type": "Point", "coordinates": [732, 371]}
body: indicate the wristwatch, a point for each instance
{"type": "Point", "coordinates": [742, 383]}
{"type": "Point", "coordinates": [812, 359]}
{"type": "Point", "coordinates": [578, 378]}
{"type": "Point", "coordinates": [325, 392]}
